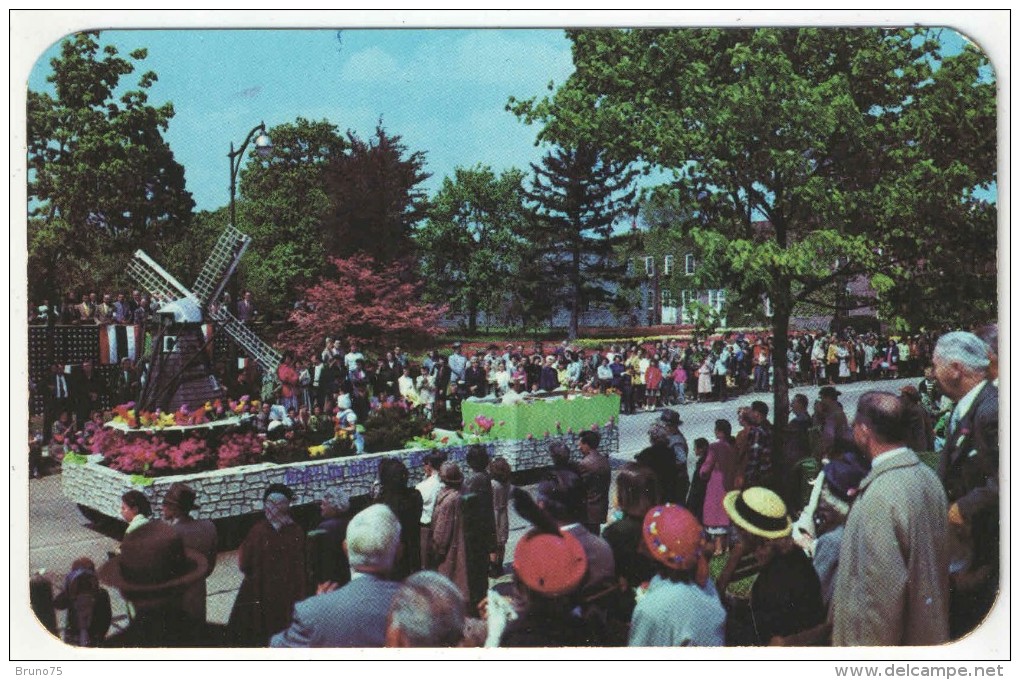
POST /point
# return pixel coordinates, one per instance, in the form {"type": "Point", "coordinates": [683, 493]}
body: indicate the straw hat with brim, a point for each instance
{"type": "Point", "coordinates": [758, 511]}
{"type": "Point", "coordinates": [152, 562]}
{"type": "Point", "coordinates": [550, 564]}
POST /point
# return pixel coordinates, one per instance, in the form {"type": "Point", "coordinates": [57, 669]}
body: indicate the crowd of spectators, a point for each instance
{"type": "Point", "coordinates": [628, 570]}
{"type": "Point", "coordinates": [852, 537]}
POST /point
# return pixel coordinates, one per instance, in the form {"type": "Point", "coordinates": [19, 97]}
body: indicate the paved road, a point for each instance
{"type": "Point", "coordinates": [58, 533]}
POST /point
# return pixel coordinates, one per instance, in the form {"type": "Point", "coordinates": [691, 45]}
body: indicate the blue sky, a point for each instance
{"type": "Point", "coordinates": [444, 91]}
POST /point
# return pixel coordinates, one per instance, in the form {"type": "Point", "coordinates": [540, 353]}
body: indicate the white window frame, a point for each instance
{"type": "Point", "coordinates": [717, 299]}
{"type": "Point", "coordinates": [689, 264]}
{"type": "Point", "coordinates": [686, 297]}
{"type": "Point", "coordinates": [649, 266]}
{"type": "Point", "coordinates": [667, 265]}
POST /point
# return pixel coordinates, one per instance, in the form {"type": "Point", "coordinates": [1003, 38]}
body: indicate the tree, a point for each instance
{"type": "Point", "coordinates": [101, 179]}
{"type": "Point", "coordinates": [942, 223]}
{"type": "Point", "coordinates": [375, 198]}
{"type": "Point", "coordinates": [580, 196]}
{"type": "Point", "coordinates": [284, 204]}
{"type": "Point", "coordinates": [794, 149]}
{"type": "Point", "coordinates": [363, 303]}
{"type": "Point", "coordinates": [184, 251]}
{"type": "Point", "coordinates": [472, 245]}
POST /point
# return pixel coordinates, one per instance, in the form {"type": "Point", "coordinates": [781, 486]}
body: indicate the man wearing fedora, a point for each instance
{"type": "Point", "coordinates": [152, 572]}
{"type": "Point", "coordinates": [197, 534]}
{"type": "Point", "coordinates": [892, 585]}
{"type": "Point", "coordinates": [678, 442]}
{"type": "Point", "coordinates": [356, 614]}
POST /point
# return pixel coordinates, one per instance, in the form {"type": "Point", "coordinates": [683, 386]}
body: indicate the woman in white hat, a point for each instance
{"type": "Point", "coordinates": [786, 597]}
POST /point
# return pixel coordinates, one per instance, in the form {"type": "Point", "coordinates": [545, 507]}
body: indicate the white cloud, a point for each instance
{"type": "Point", "coordinates": [371, 65]}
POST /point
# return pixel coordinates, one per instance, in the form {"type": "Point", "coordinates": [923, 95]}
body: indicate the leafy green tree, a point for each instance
{"type": "Point", "coordinates": [471, 245]}
{"type": "Point", "coordinates": [101, 179]}
{"type": "Point", "coordinates": [805, 156]}
{"type": "Point", "coordinates": [376, 198]}
{"type": "Point", "coordinates": [580, 197]}
{"type": "Point", "coordinates": [942, 226]}
{"type": "Point", "coordinates": [283, 205]}
{"type": "Point", "coordinates": [184, 251]}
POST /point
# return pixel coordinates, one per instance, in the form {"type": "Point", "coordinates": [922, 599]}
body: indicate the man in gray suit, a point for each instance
{"type": "Point", "coordinates": [356, 614]}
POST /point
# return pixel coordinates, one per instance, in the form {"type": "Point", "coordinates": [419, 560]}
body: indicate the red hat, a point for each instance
{"type": "Point", "coordinates": [550, 564]}
{"type": "Point", "coordinates": [673, 537]}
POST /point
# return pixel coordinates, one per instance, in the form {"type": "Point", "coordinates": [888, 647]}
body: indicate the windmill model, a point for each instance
{"type": "Point", "coordinates": [178, 371]}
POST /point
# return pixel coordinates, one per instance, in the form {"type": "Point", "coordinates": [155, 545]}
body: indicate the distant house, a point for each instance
{"type": "Point", "coordinates": [667, 296]}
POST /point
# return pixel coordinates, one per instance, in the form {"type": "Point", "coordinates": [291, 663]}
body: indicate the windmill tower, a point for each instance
{"type": "Point", "coordinates": [178, 370]}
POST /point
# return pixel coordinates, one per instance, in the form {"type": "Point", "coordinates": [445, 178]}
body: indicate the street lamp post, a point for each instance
{"type": "Point", "coordinates": [264, 147]}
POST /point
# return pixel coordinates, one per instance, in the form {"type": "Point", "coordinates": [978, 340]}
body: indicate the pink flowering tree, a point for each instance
{"type": "Point", "coordinates": [373, 307]}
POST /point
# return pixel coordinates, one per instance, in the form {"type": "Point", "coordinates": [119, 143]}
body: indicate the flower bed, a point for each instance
{"type": "Point", "coordinates": [236, 491]}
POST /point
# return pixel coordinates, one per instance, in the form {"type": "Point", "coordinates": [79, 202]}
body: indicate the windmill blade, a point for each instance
{"type": "Point", "coordinates": [156, 280]}
{"type": "Point", "coordinates": [264, 354]}
{"type": "Point", "coordinates": [220, 266]}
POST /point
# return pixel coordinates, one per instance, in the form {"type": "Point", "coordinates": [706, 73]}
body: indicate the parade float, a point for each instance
{"type": "Point", "coordinates": [180, 430]}
{"type": "Point", "coordinates": [229, 466]}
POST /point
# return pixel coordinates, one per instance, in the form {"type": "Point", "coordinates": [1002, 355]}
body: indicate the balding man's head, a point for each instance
{"type": "Point", "coordinates": [880, 422]}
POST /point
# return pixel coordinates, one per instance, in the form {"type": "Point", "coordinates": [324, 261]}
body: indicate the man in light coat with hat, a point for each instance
{"type": "Point", "coordinates": [892, 585]}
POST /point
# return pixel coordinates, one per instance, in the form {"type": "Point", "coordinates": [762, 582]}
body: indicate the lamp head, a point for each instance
{"type": "Point", "coordinates": [263, 145]}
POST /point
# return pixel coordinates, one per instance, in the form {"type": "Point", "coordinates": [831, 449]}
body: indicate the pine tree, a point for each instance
{"type": "Point", "coordinates": [580, 196]}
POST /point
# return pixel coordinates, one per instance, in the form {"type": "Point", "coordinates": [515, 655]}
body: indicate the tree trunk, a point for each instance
{"type": "Point", "coordinates": [472, 314]}
{"type": "Point", "coordinates": [575, 297]}
{"type": "Point", "coordinates": [782, 309]}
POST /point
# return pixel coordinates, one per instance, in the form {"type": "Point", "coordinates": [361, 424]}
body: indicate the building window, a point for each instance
{"type": "Point", "coordinates": [686, 297]}
{"type": "Point", "coordinates": [667, 298]}
{"type": "Point", "coordinates": [767, 303]}
{"type": "Point", "coordinates": [667, 265]}
{"type": "Point", "coordinates": [689, 264]}
{"type": "Point", "coordinates": [717, 299]}
{"type": "Point", "coordinates": [650, 266]}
